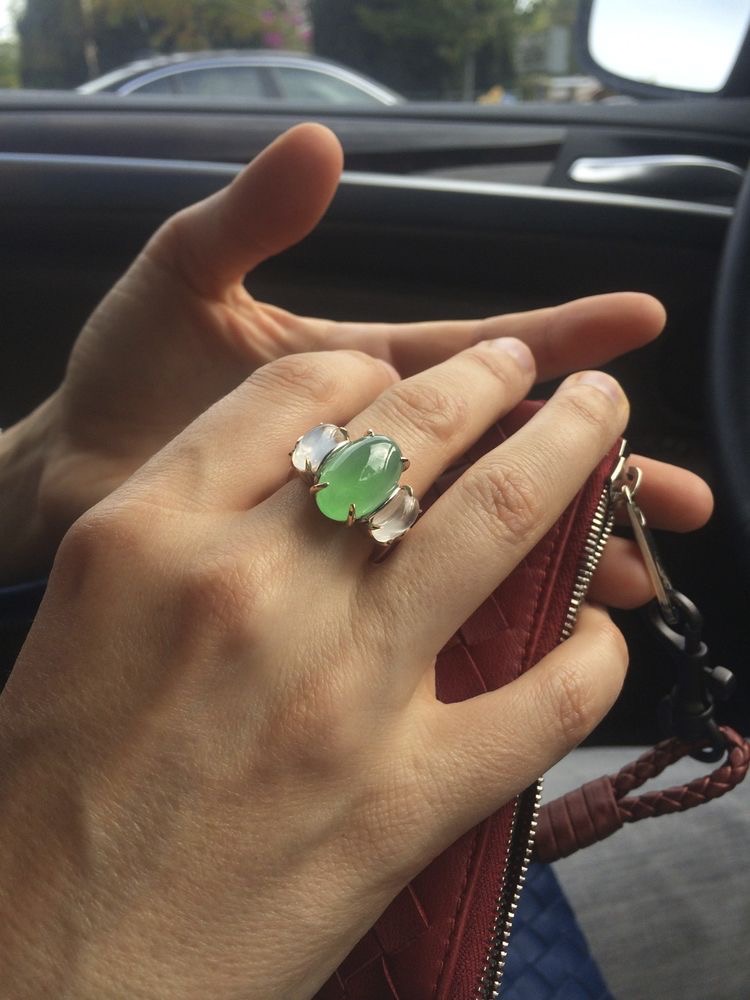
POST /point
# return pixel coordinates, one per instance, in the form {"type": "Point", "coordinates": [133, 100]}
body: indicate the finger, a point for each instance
{"type": "Point", "coordinates": [488, 748]}
{"type": "Point", "coordinates": [436, 415]}
{"type": "Point", "coordinates": [621, 580]}
{"type": "Point", "coordinates": [237, 452]}
{"type": "Point", "coordinates": [499, 509]}
{"type": "Point", "coordinates": [273, 203]}
{"type": "Point", "coordinates": [585, 333]}
{"type": "Point", "coordinates": [670, 497]}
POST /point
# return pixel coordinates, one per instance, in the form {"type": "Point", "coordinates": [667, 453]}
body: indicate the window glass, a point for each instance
{"type": "Point", "coordinates": [161, 85]}
{"type": "Point", "coordinates": [222, 81]}
{"type": "Point", "coordinates": [305, 85]}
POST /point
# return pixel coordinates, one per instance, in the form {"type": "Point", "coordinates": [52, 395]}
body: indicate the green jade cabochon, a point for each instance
{"type": "Point", "coordinates": [363, 473]}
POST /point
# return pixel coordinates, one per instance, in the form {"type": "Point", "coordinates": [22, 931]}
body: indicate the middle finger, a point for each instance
{"type": "Point", "coordinates": [437, 415]}
{"type": "Point", "coordinates": [475, 534]}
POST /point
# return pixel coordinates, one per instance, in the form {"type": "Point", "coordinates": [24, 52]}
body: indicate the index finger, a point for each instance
{"type": "Point", "coordinates": [585, 333]}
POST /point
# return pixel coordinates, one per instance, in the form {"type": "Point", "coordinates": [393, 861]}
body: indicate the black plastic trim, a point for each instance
{"type": "Point", "coordinates": [65, 184]}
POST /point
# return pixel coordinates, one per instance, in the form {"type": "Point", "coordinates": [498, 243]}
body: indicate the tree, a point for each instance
{"type": "Point", "coordinates": [124, 29]}
{"type": "Point", "coordinates": [51, 38]}
{"type": "Point", "coordinates": [424, 48]}
{"type": "Point", "coordinates": [64, 42]}
{"type": "Point", "coordinates": [539, 15]}
{"type": "Point", "coordinates": [455, 30]}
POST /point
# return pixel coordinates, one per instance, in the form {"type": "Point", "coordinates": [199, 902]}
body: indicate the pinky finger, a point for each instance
{"type": "Point", "coordinates": [489, 748]}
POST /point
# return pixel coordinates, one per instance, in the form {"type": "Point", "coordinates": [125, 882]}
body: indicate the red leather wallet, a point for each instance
{"type": "Point", "coordinates": [445, 935]}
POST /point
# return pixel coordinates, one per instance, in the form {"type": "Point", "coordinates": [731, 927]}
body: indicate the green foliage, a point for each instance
{"type": "Point", "coordinates": [63, 42]}
{"type": "Point", "coordinates": [453, 29]}
{"type": "Point", "coordinates": [423, 48]}
{"type": "Point", "coordinates": [190, 25]}
{"type": "Point", "coordinates": [10, 69]}
{"type": "Point", "coordinates": [540, 15]}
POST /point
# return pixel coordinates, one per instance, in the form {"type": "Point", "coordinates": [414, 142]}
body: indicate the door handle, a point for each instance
{"type": "Point", "coordinates": [675, 176]}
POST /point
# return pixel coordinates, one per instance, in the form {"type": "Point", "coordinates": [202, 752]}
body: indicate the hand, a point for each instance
{"type": "Point", "coordinates": [179, 331]}
{"type": "Point", "coordinates": [222, 750]}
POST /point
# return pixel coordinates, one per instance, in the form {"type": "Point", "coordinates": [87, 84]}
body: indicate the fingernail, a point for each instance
{"type": "Point", "coordinates": [517, 350]}
{"type": "Point", "coordinates": [601, 381]}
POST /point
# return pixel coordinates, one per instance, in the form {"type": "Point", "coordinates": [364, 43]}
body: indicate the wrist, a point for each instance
{"type": "Point", "coordinates": [29, 538]}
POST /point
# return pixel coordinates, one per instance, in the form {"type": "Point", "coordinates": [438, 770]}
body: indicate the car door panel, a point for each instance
{"type": "Point", "coordinates": [84, 181]}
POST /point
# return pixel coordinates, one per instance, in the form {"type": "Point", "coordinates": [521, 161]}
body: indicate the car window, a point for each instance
{"type": "Point", "coordinates": [161, 85]}
{"type": "Point", "coordinates": [305, 85]}
{"type": "Point", "coordinates": [222, 81]}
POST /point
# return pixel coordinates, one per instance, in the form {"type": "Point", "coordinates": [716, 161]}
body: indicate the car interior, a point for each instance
{"type": "Point", "coordinates": [411, 235]}
{"type": "Point", "coordinates": [445, 210]}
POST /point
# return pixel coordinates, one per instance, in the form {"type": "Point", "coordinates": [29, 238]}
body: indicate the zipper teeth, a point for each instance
{"type": "Point", "coordinates": [516, 867]}
{"type": "Point", "coordinates": [601, 528]}
{"type": "Point", "coordinates": [518, 857]}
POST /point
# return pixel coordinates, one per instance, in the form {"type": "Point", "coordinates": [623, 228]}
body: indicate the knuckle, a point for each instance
{"type": "Point", "coordinates": [499, 366]}
{"type": "Point", "coordinates": [110, 535]}
{"type": "Point", "coordinates": [305, 376]}
{"type": "Point", "coordinates": [590, 407]}
{"type": "Point", "coordinates": [508, 496]}
{"type": "Point", "coordinates": [424, 405]}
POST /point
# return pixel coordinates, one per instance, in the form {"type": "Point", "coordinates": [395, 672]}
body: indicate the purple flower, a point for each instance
{"type": "Point", "coordinates": [268, 17]}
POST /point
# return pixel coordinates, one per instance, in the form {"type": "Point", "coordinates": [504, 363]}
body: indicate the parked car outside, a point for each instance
{"type": "Point", "coordinates": [246, 75]}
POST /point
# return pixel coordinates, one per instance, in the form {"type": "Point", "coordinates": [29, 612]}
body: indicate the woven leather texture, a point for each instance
{"type": "Point", "coordinates": [599, 808]}
{"type": "Point", "coordinates": [549, 958]}
{"type": "Point", "coordinates": [432, 941]}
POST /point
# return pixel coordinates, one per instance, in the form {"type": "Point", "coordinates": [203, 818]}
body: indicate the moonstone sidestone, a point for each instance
{"type": "Point", "coordinates": [315, 445]}
{"type": "Point", "coordinates": [363, 473]}
{"type": "Point", "coordinates": [395, 517]}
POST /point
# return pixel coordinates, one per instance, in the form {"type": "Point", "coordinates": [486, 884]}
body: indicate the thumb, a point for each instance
{"type": "Point", "coordinates": [273, 203]}
{"type": "Point", "coordinates": [490, 747]}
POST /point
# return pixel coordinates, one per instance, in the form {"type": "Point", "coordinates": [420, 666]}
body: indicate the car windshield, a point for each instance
{"type": "Point", "coordinates": [371, 52]}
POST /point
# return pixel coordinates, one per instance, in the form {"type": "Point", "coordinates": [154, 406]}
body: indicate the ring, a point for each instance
{"type": "Point", "coordinates": [357, 481]}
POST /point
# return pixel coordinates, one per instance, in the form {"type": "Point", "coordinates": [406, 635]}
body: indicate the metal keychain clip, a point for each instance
{"type": "Point", "coordinates": [688, 711]}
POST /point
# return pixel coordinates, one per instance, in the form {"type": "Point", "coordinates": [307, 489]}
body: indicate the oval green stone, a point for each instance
{"type": "Point", "coordinates": [363, 473]}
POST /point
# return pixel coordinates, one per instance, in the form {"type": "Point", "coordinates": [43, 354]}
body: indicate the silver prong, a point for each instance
{"type": "Point", "coordinates": [308, 467]}
{"type": "Point", "coordinates": [405, 463]}
{"type": "Point", "coordinates": [408, 489]}
{"type": "Point", "coordinates": [317, 487]}
{"type": "Point", "coordinates": [352, 517]}
{"type": "Point", "coordinates": [369, 432]}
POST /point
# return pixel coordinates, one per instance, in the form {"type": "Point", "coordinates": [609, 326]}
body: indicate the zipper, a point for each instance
{"type": "Point", "coordinates": [528, 803]}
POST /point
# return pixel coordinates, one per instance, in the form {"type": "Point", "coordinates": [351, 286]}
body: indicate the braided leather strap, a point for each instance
{"type": "Point", "coordinates": [599, 808]}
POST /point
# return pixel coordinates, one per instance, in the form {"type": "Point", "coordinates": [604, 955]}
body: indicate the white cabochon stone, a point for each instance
{"type": "Point", "coordinates": [395, 517]}
{"type": "Point", "coordinates": [315, 445]}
